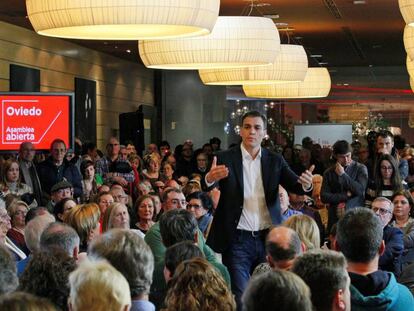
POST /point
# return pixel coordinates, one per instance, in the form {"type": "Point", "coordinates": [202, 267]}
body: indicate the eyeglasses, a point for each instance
{"type": "Point", "coordinates": [380, 210]}
{"type": "Point", "coordinates": [387, 168]}
{"type": "Point", "coordinates": [196, 206]}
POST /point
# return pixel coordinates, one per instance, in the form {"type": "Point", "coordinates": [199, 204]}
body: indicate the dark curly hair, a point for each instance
{"type": "Point", "coordinates": [47, 275]}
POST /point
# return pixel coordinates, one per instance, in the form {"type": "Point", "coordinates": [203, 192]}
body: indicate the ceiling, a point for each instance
{"type": "Point", "coordinates": [359, 41]}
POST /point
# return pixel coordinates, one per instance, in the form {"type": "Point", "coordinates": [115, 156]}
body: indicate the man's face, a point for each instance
{"type": "Point", "coordinates": [123, 154]}
{"type": "Point", "coordinates": [202, 161]}
{"type": "Point", "coordinates": [58, 152]}
{"type": "Point", "coordinates": [385, 143]}
{"type": "Point", "coordinates": [113, 147]}
{"type": "Point", "coordinates": [174, 200]}
{"type": "Point", "coordinates": [344, 159]}
{"type": "Point", "coordinates": [131, 149]}
{"type": "Point", "coordinates": [187, 150]}
{"type": "Point", "coordinates": [383, 210]}
{"type": "Point", "coordinates": [27, 152]}
{"type": "Point", "coordinates": [252, 132]}
{"type": "Point", "coordinates": [164, 150]}
{"type": "Point", "coordinates": [152, 148]}
{"type": "Point", "coordinates": [119, 195]}
{"type": "Point", "coordinates": [61, 194]}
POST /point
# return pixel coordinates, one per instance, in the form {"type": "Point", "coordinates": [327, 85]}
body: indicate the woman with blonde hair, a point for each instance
{"type": "Point", "coordinates": [197, 286]}
{"type": "Point", "coordinates": [307, 229]}
{"type": "Point", "coordinates": [84, 218]}
{"type": "Point", "coordinates": [17, 211]}
{"type": "Point", "coordinates": [117, 217]}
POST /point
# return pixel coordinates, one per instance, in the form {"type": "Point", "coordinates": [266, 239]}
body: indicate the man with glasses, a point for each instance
{"type": "Point", "coordinates": [344, 184]}
{"type": "Point", "coordinates": [107, 165]}
{"type": "Point", "coordinates": [56, 168]}
{"type": "Point", "coordinates": [172, 199]}
{"type": "Point", "coordinates": [390, 260]}
{"type": "Point", "coordinates": [28, 172]}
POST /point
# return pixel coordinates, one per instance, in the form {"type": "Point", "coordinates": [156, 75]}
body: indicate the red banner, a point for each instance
{"type": "Point", "coordinates": [35, 118]}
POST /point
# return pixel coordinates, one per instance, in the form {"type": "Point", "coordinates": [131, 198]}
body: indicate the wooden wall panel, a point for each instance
{"type": "Point", "coordinates": [121, 85]}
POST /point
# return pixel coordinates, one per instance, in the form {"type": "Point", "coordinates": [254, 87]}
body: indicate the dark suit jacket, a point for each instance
{"type": "Point", "coordinates": [275, 171]}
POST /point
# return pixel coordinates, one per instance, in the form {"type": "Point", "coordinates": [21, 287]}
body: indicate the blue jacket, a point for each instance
{"type": "Point", "coordinates": [50, 174]}
{"type": "Point", "coordinates": [394, 246]}
{"type": "Point", "coordinates": [394, 297]}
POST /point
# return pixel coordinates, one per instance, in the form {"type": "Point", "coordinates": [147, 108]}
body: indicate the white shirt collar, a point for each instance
{"type": "Point", "coordinates": [246, 155]}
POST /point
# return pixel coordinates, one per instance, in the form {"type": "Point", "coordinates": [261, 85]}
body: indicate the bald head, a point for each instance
{"type": "Point", "coordinates": [283, 245]}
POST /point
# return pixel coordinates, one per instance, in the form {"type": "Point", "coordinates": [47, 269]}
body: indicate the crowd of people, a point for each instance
{"type": "Point", "coordinates": [244, 228]}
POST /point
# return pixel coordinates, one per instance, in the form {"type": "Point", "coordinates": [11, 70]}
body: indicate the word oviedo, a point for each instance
{"type": "Point", "coordinates": [11, 111]}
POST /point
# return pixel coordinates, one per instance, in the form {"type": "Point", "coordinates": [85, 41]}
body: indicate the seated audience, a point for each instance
{"type": "Point", "coordinates": [403, 209]}
{"type": "Point", "coordinates": [84, 218]}
{"type": "Point", "coordinates": [46, 275]}
{"type": "Point", "coordinates": [60, 236]}
{"type": "Point", "coordinates": [62, 208]}
{"type": "Point", "coordinates": [19, 301]}
{"type": "Point", "coordinates": [359, 238]}
{"type": "Point", "coordinates": [5, 226]}
{"type": "Point", "coordinates": [172, 199]}
{"type": "Point", "coordinates": [283, 245]}
{"type": "Point", "coordinates": [8, 276]}
{"type": "Point", "coordinates": [59, 191]}
{"type": "Point", "coordinates": [98, 286]}
{"type": "Point", "coordinates": [326, 275]}
{"type": "Point", "coordinates": [17, 211]}
{"type": "Point", "coordinates": [33, 231]}
{"type": "Point", "coordinates": [307, 229]}
{"type": "Point", "coordinates": [390, 260]}
{"type": "Point", "coordinates": [285, 210]}
{"type": "Point", "coordinates": [176, 254]}
{"type": "Point", "coordinates": [201, 206]}
{"type": "Point", "coordinates": [144, 208]}
{"type": "Point", "coordinates": [197, 286]}
{"type": "Point", "coordinates": [277, 291]}
{"type": "Point", "coordinates": [10, 182]}
{"type": "Point", "coordinates": [131, 256]}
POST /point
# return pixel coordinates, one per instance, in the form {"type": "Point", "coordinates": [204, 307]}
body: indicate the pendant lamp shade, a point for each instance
{"type": "Point", "coordinates": [291, 65]}
{"type": "Point", "coordinates": [407, 11]}
{"type": "Point", "coordinates": [122, 19]}
{"type": "Point", "coordinates": [409, 41]}
{"type": "Point", "coordinates": [317, 84]}
{"type": "Point", "coordinates": [234, 42]}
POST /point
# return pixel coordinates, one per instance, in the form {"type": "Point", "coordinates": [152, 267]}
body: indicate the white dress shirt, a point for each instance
{"type": "Point", "coordinates": [255, 214]}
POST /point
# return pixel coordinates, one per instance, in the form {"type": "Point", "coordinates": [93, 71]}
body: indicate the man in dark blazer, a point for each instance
{"type": "Point", "coordinates": [248, 177]}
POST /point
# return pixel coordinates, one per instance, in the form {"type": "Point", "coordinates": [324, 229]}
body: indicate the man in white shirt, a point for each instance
{"type": "Point", "coordinates": [248, 177]}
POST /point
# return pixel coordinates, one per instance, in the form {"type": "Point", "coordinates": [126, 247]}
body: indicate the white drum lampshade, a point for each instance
{"type": "Point", "coordinates": [291, 65]}
{"type": "Point", "coordinates": [407, 11]}
{"type": "Point", "coordinates": [317, 84]}
{"type": "Point", "coordinates": [234, 42]}
{"type": "Point", "coordinates": [122, 19]}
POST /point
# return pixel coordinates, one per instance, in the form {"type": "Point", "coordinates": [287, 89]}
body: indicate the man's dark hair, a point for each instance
{"type": "Point", "coordinates": [341, 147]}
{"type": "Point", "coordinates": [129, 254]}
{"type": "Point", "coordinates": [385, 134]}
{"type": "Point", "coordinates": [47, 275]}
{"type": "Point", "coordinates": [279, 253]}
{"type": "Point", "coordinates": [203, 197]}
{"type": "Point", "coordinates": [177, 253]}
{"type": "Point", "coordinates": [325, 273]}
{"type": "Point", "coordinates": [278, 288]}
{"type": "Point", "coordinates": [359, 235]}
{"type": "Point", "coordinates": [177, 225]}
{"type": "Point", "coordinates": [58, 235]}
{"type": "Point", "coordinates": [57, 141]}
{"type": "Point", "coordinates": [164, 143]}
{"type": "Point", "coordinates": [59, 207]}
{"type": "Point", "coordinates": [8, 277]}
{"type": "Point", "coordinates": [254, 114]}
{"type": "Point", "coordinates": [167, 192]}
